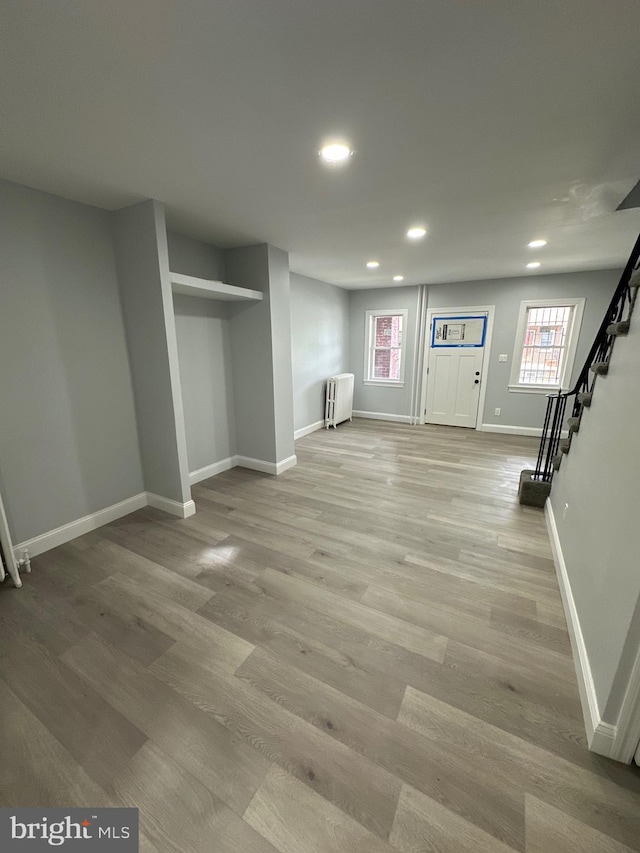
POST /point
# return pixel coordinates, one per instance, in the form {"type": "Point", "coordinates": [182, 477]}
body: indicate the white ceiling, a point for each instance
{"type": "Point", "coordinates": [492, 121]}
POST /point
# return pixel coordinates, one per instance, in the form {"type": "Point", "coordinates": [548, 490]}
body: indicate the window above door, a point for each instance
{"type": "Point", "coordinates": [385, 343]}
{"type": "Point", "coordinates": [545, 345]}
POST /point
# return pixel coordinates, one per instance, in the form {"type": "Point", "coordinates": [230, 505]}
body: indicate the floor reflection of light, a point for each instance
{"type": "Point", "coordinates": [221, 553]}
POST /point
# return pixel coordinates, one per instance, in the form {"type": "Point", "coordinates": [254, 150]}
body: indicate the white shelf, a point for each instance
{"type": "Point", "coordinates": [188, 285]}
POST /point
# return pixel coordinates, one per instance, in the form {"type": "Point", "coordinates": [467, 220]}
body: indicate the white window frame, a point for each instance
{"type": "Point", "coordinates": [369, 346]}
{"type": "Point", "coordinates": [577, 304]}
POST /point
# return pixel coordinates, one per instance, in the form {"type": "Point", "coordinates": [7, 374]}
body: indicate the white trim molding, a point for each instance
{"type": "Point", "coordinates": [383, 416]}
{"type": "Point", "coordinates": [182, 510]}
{"type": "Point", "coordinates": [601, 736]}
{"type": "Point", "coordinates": [67, 532]}
{"type": "Point", "coordinates": [575, 322]}
{"type": "Point", "coordinates": [264, 466]}
{"type": "Point", "coordinates": [299, 433]}
{"type": "Point", "coordinates": [508, 429]}
{"type": "Point", "coordinates": [60, 535]}
{"type": "Point", "coordinates": [211, 470]}
{"type": "Point", "coordinates": [370, 346]}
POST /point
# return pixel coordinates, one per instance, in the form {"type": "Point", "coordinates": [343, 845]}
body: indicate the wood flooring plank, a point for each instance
{"type": "Point", "coordinates": [178, 814]}
{"type": "Point", "coordinates": [444, 775]}
{"type": "Point", "coordinates": [534, 631]}
{"type": "Point", "coordinates": [460, 626]}
{"type": "Point", "coordinates": [266, 626]}
{"type": "Point", "coordinates": [342, 776]}
{"type": "Point", "coordinates": [548, 829]}
{"type": "Point", "coordinates": [297, 820]}
{"type": "Point", "coordinates": [172, 619]}
{"type": "Point", "coordinates": [412, 637]}
{"type": "Point", "coordinates": [588, 797]}
{"type": "Point", "coordinates": [230, 769]}
{"type": "Point", "coordinates": [36, 770]}
{"type": "Point", "coordinates": [422, 825]}
{"type": "Point", "coordinates": [100, 739]}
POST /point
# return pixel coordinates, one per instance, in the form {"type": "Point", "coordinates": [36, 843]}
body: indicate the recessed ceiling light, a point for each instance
{"type": "Point", "coordinates": [335, 153]}
{"type": "Point", "coordinates": [537, 244]}
{"type": "Point", "coordinates": [417, 232]}
{"type": "Point", "coordinates": [398, 278]}
{"type": "Point", "coordinates": [533, 265]}
{"type": "Point", "coordinates": [373, 265]}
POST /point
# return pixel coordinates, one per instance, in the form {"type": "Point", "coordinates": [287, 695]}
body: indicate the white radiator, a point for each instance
{"type": "Point", "coordinates": [7, 558]}
{"type": "Point", "coordinates": [339, 404]}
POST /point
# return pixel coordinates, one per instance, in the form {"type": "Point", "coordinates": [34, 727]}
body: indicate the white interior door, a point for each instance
{"type": "Point", "coordinates": [456, 355]}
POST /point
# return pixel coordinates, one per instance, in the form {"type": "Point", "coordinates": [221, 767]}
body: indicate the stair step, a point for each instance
{"type": "Point", "coordinates": [565, 445]}
{"type": "Point", "coordinates": [574, 424]}
{"type": "Point", "coordinates": [600, 368]}
{"type": "Point", "coordinates": [585, 399]}
{"type": "Point", "coordinates": [557, 462]}
{"type": "Point", "coordinates": [621, 328]}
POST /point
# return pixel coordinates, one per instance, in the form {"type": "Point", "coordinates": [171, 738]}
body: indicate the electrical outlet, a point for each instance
{"type": "Point", "coordinates": [502, 357]}
{"type": "Point", "coordinates": [565, 511]}
{"type": "Point", "coordinates": [497, 411]}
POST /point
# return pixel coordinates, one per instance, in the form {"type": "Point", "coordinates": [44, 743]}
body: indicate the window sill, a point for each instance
{"type": "Point", "coordinates": [533, 389]}
{"type": "Point", "coordinates": [383, 383]}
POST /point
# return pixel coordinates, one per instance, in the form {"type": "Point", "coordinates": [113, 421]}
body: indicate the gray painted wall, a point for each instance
{"type": "Point", "coordinates": [193, 257]}
{"type": "Point", "coordinates": [204, 353]}
{"type": "Point", "coordinates": [373, 398]}
{"type": "Point", "coordinates": [600, 536]}
{"type": "Point", "coordinates": [280, 314]}
{"type": "Point", "coordinates": [507, 294]}
{"type": "Point", "coordinates": [261, 353]}
{"type": "Point", "coordinates": [252, 358]}
{"type": "Point", "coordinates": [319, 344]}
{"type": "Point", "coordinates": [143, 272]}
{"type": "Point", "coordinates": [68, 439]}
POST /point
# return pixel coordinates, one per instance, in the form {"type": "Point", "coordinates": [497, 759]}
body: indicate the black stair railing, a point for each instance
{"type": "Point", "coordinates": [598, 355]}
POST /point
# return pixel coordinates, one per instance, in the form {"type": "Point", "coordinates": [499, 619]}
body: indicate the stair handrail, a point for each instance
{"type": "Point", "coordinates": [599, 352]}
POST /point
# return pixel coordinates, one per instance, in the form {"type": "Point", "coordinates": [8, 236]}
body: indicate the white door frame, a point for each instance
{"type": "Point", "coordinates": [465, 309]}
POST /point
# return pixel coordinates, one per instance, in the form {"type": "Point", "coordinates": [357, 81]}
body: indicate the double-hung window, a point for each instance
{"type": "Point", "coordinates": [385, 347]}
{"type": "Point", "coordinates": [545, 347]}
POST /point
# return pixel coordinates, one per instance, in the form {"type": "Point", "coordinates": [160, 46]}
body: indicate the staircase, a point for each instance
{"type": "Point", "coordinates": [535, 485]}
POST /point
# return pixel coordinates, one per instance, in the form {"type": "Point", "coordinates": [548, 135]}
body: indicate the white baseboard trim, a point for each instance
{"type": "Point", "coordinates": [306, 430]}
{"type": "Point", "coordinates": [212, 470]}
{"type": "Point", "coordinates": [182, 510]}
{"type": "Point", "coordinates": [285, 464]}
{"type": "Point", "coordinates": [60, 535]}
{"type": "Point", "coordinates": [383, 416]}
{"type": "Point", "coordinates": [600, 735]}
{"type": "Point", "coordinates": [536, 432]}
{"type": "Point", "coordinates": [264, 466]}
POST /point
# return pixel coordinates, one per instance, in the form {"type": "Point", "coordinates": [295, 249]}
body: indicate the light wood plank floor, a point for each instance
{"type": "Point", "coordinates": [367, 653]}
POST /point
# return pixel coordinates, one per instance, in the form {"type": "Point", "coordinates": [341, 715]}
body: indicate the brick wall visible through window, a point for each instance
{"type": "Point", "coordinates": [384, 346]}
